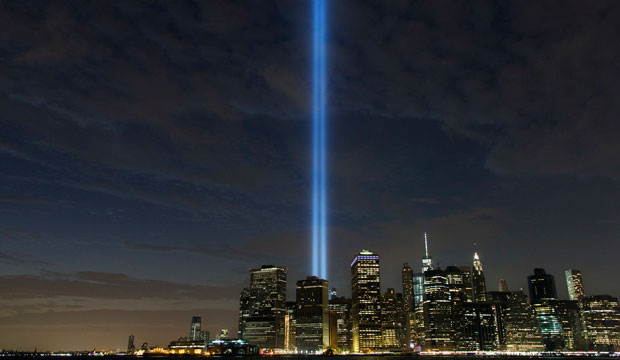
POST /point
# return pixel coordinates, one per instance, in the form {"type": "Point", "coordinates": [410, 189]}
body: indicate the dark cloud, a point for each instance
{"type": "Point", "coordinates": [106, 286]}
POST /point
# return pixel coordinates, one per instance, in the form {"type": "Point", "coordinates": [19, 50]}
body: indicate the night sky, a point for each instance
{"type": "Point", "coordinates": [152, 152]}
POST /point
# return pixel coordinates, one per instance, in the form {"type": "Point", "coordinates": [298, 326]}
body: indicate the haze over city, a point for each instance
{"type": "Point", "coordinates": [151, 153]}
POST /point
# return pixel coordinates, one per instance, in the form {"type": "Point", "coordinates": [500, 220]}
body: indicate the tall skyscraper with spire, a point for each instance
{"type": "Point", "coordinates": [427, 260]}
{"type": "Point", "coordinates": [478, 283]}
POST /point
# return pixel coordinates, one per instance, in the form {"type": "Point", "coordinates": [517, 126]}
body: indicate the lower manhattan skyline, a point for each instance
{"type": "Point", "coordinates": [155, 156]}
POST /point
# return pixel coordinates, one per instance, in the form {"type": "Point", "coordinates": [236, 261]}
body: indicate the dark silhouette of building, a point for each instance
{"type": "Point", "coordinates": [541, 286]}
{"type": "Point", "coordinates": [407, 283]}
{"type": "Point", "coordinates": [194, 330]}
{"type": "Point", "coordinates": [499, 299]}
{"type": "Point", "coordinates": [569, 317]}
{"type": "Point", "coordinates": [131, 347]}
{"type": "Point", "coordinates": [341, 308]}
{"type": "Point", "coordinates": [312, 315]}
{"type": "Point", "coordinates": [479, 285]}
{"type": "Point", "coordinates": [244, 309]}
{"type": "Point", "coordinates": [366, 302]}
{"type": "Point", "coordinates": [479, 326]}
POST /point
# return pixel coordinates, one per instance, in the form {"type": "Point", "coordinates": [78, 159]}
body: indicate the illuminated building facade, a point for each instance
{"type": "Point", "coordinates": [365, 302]}
{"type": "Point", "coordinates": [520, 325]}
{"type": "Point", "coordinates": [601, 319]}
{"type": "Point", "coordinates": [479, 285]}
{"type": "Point", "coordinates": [438, 330]}
{"type": "Point", "coordinates": [341, 308]}
{"type": "Point", "coordinates": [290, 327]}
{"type": "Point", "coordinates": [312, 315]}
{"type": "Point", "coordinates": [264, 325]}
{"type": "Point", "coordinates": [393, 321]}
{"type": "Point", "coordinates": [574, 284]}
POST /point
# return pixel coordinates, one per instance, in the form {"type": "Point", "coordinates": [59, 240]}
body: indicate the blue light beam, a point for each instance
{"type": "Point", "coordinates": [319, 143]}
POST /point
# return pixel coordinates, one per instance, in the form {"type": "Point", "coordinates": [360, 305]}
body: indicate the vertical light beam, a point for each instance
{"type": "Point", "coordinates": [319, 143]}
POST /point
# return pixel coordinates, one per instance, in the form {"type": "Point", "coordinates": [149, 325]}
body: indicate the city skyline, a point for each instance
{"type": "Point", "coordinates": [152, 152]}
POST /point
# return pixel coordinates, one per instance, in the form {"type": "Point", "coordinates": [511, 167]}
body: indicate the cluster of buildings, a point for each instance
{"type": "Point", "coordinates": [438, 309]}
{"type": "Point", "coordinates": [197, 343]}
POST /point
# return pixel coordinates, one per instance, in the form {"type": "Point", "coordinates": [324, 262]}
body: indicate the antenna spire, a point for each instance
{"type": "Point", "coordinates": [426, 244]}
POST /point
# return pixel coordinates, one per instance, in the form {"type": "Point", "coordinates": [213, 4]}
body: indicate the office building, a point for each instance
{"type": "Point", "coordinates": [194, 331]}
{"type": "Point", "coordinates": [521, 328]}
{"type": "Point", "coordinates": [574, 284]}
{"type": "Point", "coordinates": [479, 332]}
{"type": "Point", "coordinates": [601, 320]}
{"type": "Point", "coordinates": [438, 328]}
{"type": "Point", "coordinates": [312, 315]}
{"type": "Point", "coordinates": [407, 283]}
{"type": "Point", "coordinates": [393, 321]}
{"type": "Point", "coordinates": [265, 324]}
{"type": "Point", "coordinates": [341, 308]}
{"type": "Point", "coordinates": [290, 328]}
{"type": "Point", "coordinates": [244, 310]}
{"type": "Point", "coordinates": [568, 314]}
{"type": "Point", "coordinates": [541, 286]}
{"type": "Point", "coordinates": [366, 302]}
{"type": "Point", "coordinates": [131, 347]}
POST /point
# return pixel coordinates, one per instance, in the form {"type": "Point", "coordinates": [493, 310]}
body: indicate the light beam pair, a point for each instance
{"type": "Point", "coordinates": [319, 143]}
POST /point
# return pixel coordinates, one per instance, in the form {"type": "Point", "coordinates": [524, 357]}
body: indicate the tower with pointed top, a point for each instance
{"type": "Point", "coordinates": [478, 283]}
{"type": "Point", "coordinates": [427, 260]}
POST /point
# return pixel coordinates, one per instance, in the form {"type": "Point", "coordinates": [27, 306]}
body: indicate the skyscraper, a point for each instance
{"type": "Point", "coordinates": [265, 325]}
{"type": "Point", "coordinates": [131, 347]}
{"type": "Point", "coordinates": [244, 309]}
{"type": "Point", "coordinates": [574, 284]}
{"type": "Point", "coordinates": [458, 297]}
{"type": "Point", "coordinates": [601, 318]}
{"type": "Point", "coordinates": [393, 320]}
{"type": "Point", "coordinates": [407, 281]}
{"type": "Point", "coordinates": [479, 330]}
{"type": "Point", "coordinates": [366, 302]}
{"type": "Point", "coordinates": [438, 330]}
{"type": "Point", "coordinates": [503, 285]}
{"type": "Point", "coordinates": [427, 260]}
{"type": "Point", "coordinates": [341, 307]}
{"type": "Point", "coordinates": [312, 315]}
{"type": "Point", "coordinates": [520, 325]}
{"type": "Point", "coordinates": [541, 286]}
{"type": "Point", "coordinates": [194, 331]}
{"type": "Point", "coordinates": [478, 282]}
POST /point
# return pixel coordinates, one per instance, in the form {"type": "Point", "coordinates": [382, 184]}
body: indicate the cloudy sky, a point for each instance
{"type": "Point", "coordinates": [152, 152]}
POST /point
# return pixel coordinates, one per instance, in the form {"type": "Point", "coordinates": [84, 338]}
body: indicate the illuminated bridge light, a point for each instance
{"type": "Point", "coordinates": [319, 143]}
